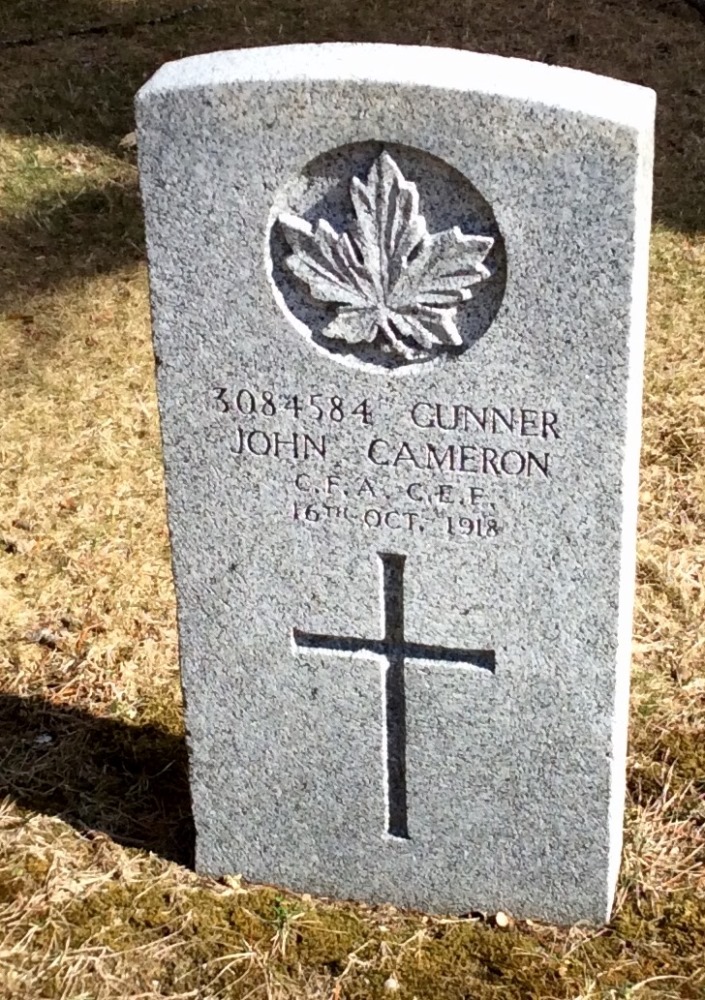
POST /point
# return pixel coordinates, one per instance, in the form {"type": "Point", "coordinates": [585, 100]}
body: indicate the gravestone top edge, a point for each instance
{"type": "Point", "coordinates": [413, 65]}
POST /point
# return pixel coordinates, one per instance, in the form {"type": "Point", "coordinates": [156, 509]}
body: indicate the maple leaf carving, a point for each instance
{"type": "Point", "coordinates": [388, 275]}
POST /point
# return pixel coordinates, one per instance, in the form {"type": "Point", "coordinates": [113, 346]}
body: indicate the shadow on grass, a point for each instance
{"type": "Point", "coordinates": [97, 230]}
{"type": "Point", "coordinates": [81, 88]}
{"type": "Point", "coordinates": [21, 25]}
{"type": "Point", "coordinates": [125, 780]}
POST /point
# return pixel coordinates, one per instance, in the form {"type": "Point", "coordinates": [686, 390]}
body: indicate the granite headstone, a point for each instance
{"type": "Point", "coordinates": [398, 303]}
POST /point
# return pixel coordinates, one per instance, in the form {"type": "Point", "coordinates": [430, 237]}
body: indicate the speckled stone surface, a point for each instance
{"type": "Point", "coordinates": [404, 564]}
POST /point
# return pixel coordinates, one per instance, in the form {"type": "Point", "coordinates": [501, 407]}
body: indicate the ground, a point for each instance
{"type": "Point", "coordinates": [97, 899]}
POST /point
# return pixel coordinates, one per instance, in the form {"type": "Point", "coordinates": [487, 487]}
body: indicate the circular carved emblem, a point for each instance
{"type": "Point", "coordinates": [385, 256]}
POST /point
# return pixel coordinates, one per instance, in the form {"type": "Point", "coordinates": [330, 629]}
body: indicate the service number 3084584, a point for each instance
{"type": "Point", "coordinates": [315, 406]}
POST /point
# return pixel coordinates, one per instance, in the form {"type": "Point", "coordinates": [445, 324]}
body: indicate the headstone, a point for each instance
{"type": "Point", "coordinates": [399, 302]}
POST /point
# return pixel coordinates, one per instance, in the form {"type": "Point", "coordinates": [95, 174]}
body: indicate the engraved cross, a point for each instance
{"type": "Point", "coordinates": [394, 651]}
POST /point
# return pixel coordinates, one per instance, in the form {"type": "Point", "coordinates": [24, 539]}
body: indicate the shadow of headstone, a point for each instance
{"type": "Point", "coordinates": [98, 774]}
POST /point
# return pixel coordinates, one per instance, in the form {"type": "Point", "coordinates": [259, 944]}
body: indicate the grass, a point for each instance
{"type": "Point", "coordinates": [97, 899]}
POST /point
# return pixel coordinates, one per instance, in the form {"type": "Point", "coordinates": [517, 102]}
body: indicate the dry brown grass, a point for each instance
{"type": "Point", "coordinates": [96, 897]}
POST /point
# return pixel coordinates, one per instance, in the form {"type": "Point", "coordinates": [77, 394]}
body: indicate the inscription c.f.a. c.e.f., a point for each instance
{"type": "Point", "coordinates": [388, 275]}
